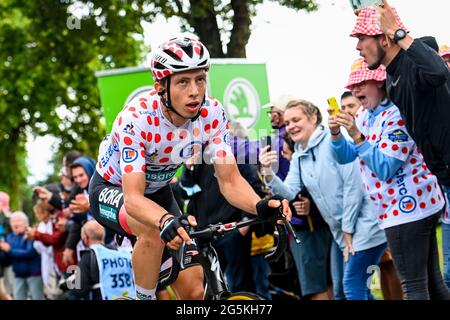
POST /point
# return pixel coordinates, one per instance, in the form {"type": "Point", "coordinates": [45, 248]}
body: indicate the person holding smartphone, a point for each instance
{"type": "Point", "coordinates": [405, 194]}
{"type": "Point", "coordinates": [338, 194]}
{"type": "Point", "coordinates": [418, 82]}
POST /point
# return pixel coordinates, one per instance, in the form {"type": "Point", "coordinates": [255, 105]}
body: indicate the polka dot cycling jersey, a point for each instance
{"type": "Point", "coordinates": [413, 193]}
{"type": "Point", "coordinates": [144, 140]}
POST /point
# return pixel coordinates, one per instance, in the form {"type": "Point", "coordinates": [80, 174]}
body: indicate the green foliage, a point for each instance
{"type": "Point", "coordinates": [47, 67]}
{"type": "Point", "coordinates": [51, 49]}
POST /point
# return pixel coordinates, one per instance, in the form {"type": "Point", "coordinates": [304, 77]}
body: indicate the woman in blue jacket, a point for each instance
{"type": "Point", "coordinates": [337, 191]}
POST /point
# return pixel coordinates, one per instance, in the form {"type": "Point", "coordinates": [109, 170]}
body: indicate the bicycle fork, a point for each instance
{"type": "Point", "coordinates": [215, 288]}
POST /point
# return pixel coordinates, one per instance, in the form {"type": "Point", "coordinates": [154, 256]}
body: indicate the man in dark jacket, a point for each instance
{"type": "Point", "coordinates": [418, 82]}
{"type": "Point", "coordinates": [114, 280]}
{"type": "Point", "coordinates": [209, 206]}
{"type": "Point", "coordinates": [81, 170]}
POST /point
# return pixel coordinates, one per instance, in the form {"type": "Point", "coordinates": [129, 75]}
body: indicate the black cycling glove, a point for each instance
{"type": "Point", "coordinates": [265, 212]}
{"type": "Point", "coordinates": [169, 229]}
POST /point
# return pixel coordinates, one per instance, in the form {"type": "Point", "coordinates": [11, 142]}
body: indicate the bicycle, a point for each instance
{"type": "Point", "coordinates": [216, 287]}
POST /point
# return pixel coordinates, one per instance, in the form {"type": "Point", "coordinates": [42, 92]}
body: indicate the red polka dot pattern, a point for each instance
{"type": "Point", "coordinates": [204, 113]}
{"type": "Point", "coordinates": [196, 132]}
{"type": "Point", "coordinates": [414, 179]}
{"type": "Point", "coordinates": [168, 149]}
{"type": "Point", "coordinates": [183, 134]}
{"type": "Point", "coordinates": [221, 154]}
{"type": "Point", "coordinates": [127, 141]}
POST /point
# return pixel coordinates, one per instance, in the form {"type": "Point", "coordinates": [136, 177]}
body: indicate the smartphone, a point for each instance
{"type": "Point", "coordinates": [357, 5]}
{"type": "Point", "coordinates": [266, 141]}
{"type": "Point", "coordinates": [333, 104]}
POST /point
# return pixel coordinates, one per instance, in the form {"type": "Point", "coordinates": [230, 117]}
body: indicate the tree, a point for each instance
{"type": "Point", "coordinates": [48, 63]}
{"type": "Point", "coordinates": [203, 18]}
{"type": "Point", "coordinates": [51, 49]}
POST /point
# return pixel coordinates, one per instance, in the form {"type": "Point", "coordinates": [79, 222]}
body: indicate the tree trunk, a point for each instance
{"type": "Point", "coordinates": [241, 29]}
{"type": "Point", "coordinates": [203, 20]}
{"type": "Point", "coordinates": [14, 169]}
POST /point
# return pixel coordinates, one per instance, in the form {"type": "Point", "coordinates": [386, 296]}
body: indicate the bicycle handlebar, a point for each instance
{"type": "Point", "coordinates": [219, 229]}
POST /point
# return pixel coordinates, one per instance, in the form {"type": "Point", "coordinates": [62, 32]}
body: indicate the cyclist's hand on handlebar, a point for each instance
{"type": "Point", "coordinates": [274, 206]}
{"type": "Point", "coordinates": [173, 232]}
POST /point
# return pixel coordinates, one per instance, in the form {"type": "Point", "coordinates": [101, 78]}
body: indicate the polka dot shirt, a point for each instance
{"type": "Point", "coordinates": [413, 193]}
{"type": "Point", "coordinates": [143, 140]}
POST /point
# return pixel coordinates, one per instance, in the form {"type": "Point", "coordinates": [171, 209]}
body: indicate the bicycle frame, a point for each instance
{"type": "Point", "coordinates": [216, 287]}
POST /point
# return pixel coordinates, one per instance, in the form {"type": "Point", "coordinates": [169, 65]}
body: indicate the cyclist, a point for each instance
{"type": "Point", "coordinates": [153, 135]}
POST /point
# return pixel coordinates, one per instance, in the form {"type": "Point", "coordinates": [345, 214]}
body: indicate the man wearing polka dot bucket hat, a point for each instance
{"type": "Point", "coordinates": [405, 194]}
{"type": "Point", "coordinates": [154, 134]}
{"type": "Point", "coordinates": [418, 82]}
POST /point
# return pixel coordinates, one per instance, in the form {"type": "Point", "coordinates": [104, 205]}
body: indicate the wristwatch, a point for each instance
{"type": "Point", "coordinates": [359, 139]}
{"type": "Point", "coordinates": [399, 34]}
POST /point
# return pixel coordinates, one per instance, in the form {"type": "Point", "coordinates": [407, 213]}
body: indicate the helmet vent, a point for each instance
{"type": "Point", "coordinates": [178, 67]}
{"type": "Point", "coordinates": [173, 55]}
{"type": "Point", "coordinates": [188, 50]}
{"type": "Point", "coordinates": [159, 66]}
{"type": "Point", "coordinates": [202, 63]}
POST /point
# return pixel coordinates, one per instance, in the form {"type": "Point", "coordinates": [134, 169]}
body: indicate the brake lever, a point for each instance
{"type": "Point", "coordinates": [289, 226]}
{"type": "Point", "coordinates": [179, 254]}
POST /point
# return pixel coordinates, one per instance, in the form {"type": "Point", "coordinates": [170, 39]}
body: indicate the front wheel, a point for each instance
{"type": "Point", "coordinates": [244, 296]}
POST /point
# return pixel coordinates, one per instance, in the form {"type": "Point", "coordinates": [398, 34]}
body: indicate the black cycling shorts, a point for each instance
{"type": "Point", "coordinates": [106, 202]}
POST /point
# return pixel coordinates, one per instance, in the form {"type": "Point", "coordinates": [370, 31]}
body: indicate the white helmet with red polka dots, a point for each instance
{"type": "Point", "coordinates": [177, 55]}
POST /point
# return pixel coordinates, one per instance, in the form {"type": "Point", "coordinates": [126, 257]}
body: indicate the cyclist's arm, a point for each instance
{"type": "Point", "coordinates": [137, 206]}
{"type": "Point", "coordinates": [234, 187]}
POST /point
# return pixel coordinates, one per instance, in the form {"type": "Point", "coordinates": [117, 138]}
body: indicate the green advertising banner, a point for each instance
{"type": "Point", "coordinates": [240, 86]}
